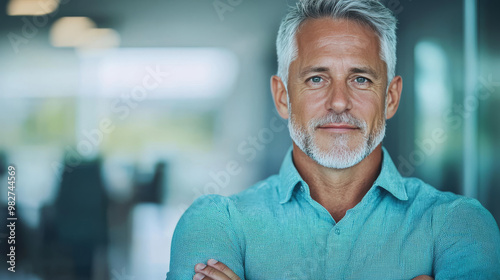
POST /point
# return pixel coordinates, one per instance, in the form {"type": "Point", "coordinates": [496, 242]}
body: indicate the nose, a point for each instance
{"type": "Point", "coordinates": [339, 99]}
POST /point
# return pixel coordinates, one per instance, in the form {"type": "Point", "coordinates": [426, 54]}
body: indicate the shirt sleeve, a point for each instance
{"type": "Point", "coordinates": [204, 231]}
{"type": "Point", "coordinates": [468, 243]}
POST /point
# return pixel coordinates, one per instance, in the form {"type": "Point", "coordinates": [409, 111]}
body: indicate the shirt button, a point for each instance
{"type": "Point", "coordinates": [337, 231]}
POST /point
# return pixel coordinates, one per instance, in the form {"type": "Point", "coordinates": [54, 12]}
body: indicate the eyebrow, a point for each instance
{"type": "Point", "coordinates": [355, 70]}
{"type": "Point", "coordinates": [363, 70]}
{"type": "Point", "coordinates": [313, 69]}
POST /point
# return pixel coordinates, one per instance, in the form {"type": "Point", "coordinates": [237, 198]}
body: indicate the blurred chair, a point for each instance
{"type": "Point", "coordinates": [151, 191]}
{"type": "Point", "coordinates": [76, 226]}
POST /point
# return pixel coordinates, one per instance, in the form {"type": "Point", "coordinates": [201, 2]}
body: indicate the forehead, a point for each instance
{"type": "Point", "coordinates": [337, 38]}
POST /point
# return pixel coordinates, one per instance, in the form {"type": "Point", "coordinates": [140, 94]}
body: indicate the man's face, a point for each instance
{"type": "Point", "coordinates": [337, 92]}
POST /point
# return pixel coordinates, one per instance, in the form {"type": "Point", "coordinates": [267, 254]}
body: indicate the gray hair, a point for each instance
{"type": "Point", "coordinates": [368, 12]}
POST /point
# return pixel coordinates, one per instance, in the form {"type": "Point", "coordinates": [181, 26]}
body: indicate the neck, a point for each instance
{"type": "Point", "coordinates": [338, 190]}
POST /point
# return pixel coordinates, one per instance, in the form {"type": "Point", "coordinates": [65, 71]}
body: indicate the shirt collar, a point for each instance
{"type": "Point", "coordinates": [289, 177]}
{"type": "Point", "coordinates": [388, 179]}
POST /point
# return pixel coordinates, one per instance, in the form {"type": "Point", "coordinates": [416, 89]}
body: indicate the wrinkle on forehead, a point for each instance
{"type": "Point", "coordinates": [340, 40]}
{"type": "Point", "coordinates": [324, 26]}
{"type": "Point", "coordinates": [344, 40]}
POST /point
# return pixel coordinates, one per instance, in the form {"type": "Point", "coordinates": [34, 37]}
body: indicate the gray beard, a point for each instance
{"type": "Point", "coordinates": [340, 155]}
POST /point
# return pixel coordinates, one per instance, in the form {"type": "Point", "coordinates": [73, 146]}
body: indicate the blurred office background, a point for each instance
{"type": "Point", "coordinates": [118, 114]}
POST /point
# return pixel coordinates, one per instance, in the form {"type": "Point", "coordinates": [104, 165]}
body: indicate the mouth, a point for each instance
{"type": "Point", "coordinates": [338, 127]}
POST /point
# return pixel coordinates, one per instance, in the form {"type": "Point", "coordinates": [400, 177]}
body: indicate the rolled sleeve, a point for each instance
{"type": "Point", "coordinates": [468, 243]}
{"type": "Point", "coordinates": [204, 231]}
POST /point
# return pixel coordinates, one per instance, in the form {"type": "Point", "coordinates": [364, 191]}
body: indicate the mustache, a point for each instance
{"type": "Point", "coordinates": [337, 118]}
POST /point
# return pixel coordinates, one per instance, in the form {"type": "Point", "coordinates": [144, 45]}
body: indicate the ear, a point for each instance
{"type": "Point", "coordinates": [279, 96]}
{"type": "Point", "coordinates": [393, 96]}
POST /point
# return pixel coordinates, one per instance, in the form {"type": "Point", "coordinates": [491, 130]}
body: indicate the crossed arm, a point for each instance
{"type": "Point", "coordinates": [467, 245]}
{"type": "Point", "coordinates": [215, 270]}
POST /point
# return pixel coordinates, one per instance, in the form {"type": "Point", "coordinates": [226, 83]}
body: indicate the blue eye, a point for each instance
{"type": "Point", "coordinates": [361, 80]}
{"type": "Point", "coordinates": [316, 79]}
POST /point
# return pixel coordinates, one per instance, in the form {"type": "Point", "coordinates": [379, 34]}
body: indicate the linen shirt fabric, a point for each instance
{"type": "Point", "coordinates": [402, 228]}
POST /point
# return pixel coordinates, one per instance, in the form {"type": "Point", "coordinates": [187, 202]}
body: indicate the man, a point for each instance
{"type": "Point", "coordinates": [338, 209]}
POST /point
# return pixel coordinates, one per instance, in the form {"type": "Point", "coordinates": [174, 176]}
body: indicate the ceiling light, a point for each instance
{"type": "Point", "coordinates": [69, 31]}
{"type": "Point", "coordinates": [31, 7]}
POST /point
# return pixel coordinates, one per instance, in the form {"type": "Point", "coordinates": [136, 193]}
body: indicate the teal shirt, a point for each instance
{"type": "Point", "coordinates": [402, 228]}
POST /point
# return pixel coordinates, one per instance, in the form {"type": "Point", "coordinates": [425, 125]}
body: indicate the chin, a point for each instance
{"type": "Point", "coordinates": [339, 143]}
{"type": "Point", "coordinates": [341, 153]}
{"type": "Point", "coordinates": [337, 150]}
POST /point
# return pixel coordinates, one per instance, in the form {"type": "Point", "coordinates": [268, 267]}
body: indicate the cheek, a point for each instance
{"type": "Point", "coordinates": [313, 103]}
{"type": "Point", "coordinates": [377, 116]}
{"type": "Point", "coordinates": [369, 111]}
{"type": "Point", "coordinates": [307, 107]}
